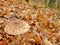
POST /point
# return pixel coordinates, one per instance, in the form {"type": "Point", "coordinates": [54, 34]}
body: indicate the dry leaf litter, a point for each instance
{"type": "Point", "coordinates": [22, 23]}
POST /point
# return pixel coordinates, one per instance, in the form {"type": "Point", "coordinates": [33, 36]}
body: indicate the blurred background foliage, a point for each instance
{"type": "Point", "coordinates": [54, 4]}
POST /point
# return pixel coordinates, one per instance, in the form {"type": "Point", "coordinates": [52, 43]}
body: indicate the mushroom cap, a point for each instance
{"type": "Point", "coordinates": [16, 27]}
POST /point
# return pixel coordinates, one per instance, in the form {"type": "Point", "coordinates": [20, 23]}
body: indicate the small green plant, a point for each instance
{"type": "Point", "coordinates": [45, 2]}
{"type": "Point", "coordinates": [27, 0]}
{"type": "Point", "coordinates": [52, 3]}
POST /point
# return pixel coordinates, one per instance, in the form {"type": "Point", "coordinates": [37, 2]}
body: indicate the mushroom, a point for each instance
{"type": "Point", "coordinates": [16, 27]}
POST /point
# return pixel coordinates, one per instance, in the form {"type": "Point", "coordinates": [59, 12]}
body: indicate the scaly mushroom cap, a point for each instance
{"type": "Point", "coordinates": [16, 27]}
